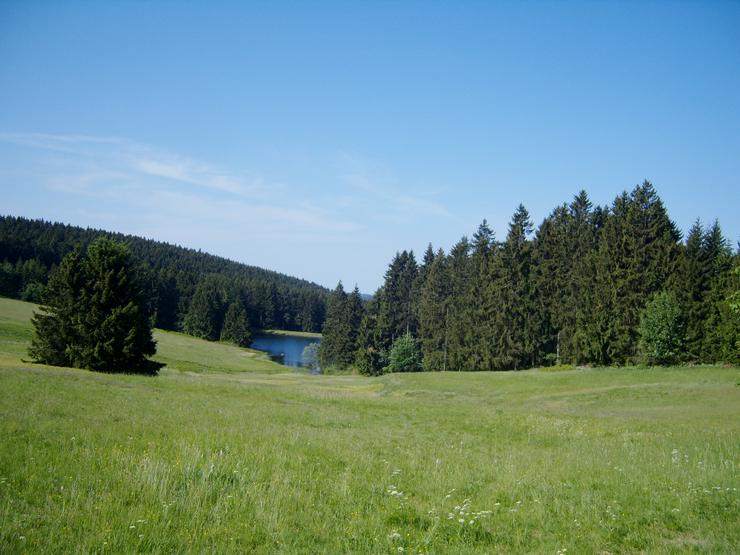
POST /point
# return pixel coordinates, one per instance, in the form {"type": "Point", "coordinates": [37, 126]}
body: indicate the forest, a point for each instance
{"type": "Point", "coordinates": [592, 285]}
{"type": "Point", "coordinates": [190, 290]}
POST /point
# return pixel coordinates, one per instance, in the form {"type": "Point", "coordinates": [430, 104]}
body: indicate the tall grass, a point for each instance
{"type": "Point", "coordinates": [581, 461]}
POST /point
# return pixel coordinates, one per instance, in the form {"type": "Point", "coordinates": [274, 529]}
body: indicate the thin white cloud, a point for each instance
{"type": "Point", "coordinates": [154, 183]}
{"type": "Point", "coordinates": [381, 187]}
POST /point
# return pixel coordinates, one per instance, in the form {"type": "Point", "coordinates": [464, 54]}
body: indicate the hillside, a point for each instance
{"type": "Point", "coordinates": [217, 455]}
{"type": "Point", "coordinates": [29, 248]}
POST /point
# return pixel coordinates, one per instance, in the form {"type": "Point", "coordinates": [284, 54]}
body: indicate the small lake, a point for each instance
{"type": "Point", "coordinates": [285, 349]}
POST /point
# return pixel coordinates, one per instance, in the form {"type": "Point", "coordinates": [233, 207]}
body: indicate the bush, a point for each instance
{"type": "Point", "coordinates": [311, 358]}
{"type": "Point", "coordinates": [661, 330]}
{"type": "Point", "coordinates": [405, 355]}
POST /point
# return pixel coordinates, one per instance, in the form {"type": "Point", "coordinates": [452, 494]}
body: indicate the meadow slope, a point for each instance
{"type": "Point", "coordinates": [224, 452]}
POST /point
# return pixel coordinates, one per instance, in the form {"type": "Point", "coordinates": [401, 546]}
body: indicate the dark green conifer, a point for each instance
{"type": "Point", "coordinates": [236, 325]}
{"type": "Point", "coordinates": [204, 318]}
{"type": "Point", "coordinates": [97, 313]}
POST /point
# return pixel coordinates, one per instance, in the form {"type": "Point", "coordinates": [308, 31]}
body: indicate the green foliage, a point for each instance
{"type": "Point", "coordinates": [30, 248]}
{"type": "Point", "coordinates": [236, 325]}
{"type": "Point", "coordinates": [405, 355]}
{"type": "Point", "coordinates": [311, 358]}
{"type": "Point", "coordinates": [661, 330]}
{"type": "Point", "coordinates": [96, 314]}
{"type": "Point", "coordinates": [341, 329]}
{"type": "Point", "coordinates": [205, 316]}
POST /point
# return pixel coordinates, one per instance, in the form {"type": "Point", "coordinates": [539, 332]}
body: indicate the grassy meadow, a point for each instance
{"type": "Point", "coordinates": [225, 452]}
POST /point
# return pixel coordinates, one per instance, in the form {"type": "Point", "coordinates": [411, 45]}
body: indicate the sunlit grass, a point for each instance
{"type": "Point", "coordinates": [196, 460]}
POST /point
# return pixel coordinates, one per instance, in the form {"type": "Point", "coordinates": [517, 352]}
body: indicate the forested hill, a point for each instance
{"type": "Point", "coordinates": [192, 290]}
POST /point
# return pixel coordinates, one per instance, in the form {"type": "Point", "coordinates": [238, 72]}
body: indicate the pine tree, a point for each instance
{"type": "Point", "coordinates": [97, 313]}
{"type": "Point", "coordinates": [205, 315]}
{"type": "Point", "coordinates": [433, 314]}
{"type": "Point", "coordinates": [516, 345]}
{"type": "Point", "coordinates": [337, 347]}
{"type": "Point", "coordinates": [637, 252]}
{"type": "Point", "coordinates": [370, 358]}
{"type": "Point", "coordinates": [236, 325]}
{"type": "Point", "coordinates": [396, 304]}
{"type": "Point", "coordinates": [690, 285]}
{"type": "Point", "coordinates": [718, 337]}
{"type": "Point", "coordinates": [458, 320]}
{"type": "Point", "coordinates": [481, 302]}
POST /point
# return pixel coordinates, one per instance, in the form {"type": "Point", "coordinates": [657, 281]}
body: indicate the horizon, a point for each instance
{"type": "Point", "coordinates": [317, 140]}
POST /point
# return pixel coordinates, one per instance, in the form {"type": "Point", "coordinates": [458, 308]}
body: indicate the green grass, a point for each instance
{"type": "Point", "coordinates": [292, 333]}
{"type": "Point", "coordinates": [199, 460]}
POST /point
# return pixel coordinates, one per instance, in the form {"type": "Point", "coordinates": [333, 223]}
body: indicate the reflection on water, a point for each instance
{"type": "Point", "coordinates": [285, 349]}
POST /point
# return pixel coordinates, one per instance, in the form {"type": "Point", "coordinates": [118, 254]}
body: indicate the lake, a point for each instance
{"type": "Point", "coordinates": [285, 349]}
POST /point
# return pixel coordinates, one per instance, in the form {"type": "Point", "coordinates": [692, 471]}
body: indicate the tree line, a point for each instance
{"type": "Point", "coordinates": [591, 285]}
{"type": "Point", "coordinates": [201, 294]}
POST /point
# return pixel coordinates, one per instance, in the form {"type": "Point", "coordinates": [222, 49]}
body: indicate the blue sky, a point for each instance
{"type": "Point", "coordinates": [317, 139]}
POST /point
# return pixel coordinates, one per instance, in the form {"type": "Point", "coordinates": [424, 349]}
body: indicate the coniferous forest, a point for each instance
{"type": "Point", "coordinates": [204, 295]}
{"type": "Point", "coordinates": [591, 285]}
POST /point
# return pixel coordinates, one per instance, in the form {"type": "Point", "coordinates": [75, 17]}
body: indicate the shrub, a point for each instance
{"type": "Point", "coordinates": [405, 355]}
{"type": "Point", "coordinates": [661, 330]}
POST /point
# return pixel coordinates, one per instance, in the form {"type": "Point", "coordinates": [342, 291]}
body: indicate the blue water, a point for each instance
{"type": "Point", "coordinates": [285, 349]}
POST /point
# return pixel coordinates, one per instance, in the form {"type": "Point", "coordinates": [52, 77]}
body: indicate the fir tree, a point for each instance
{"type": "Point", "coordinates": [433, 314]}
{"type": "Point", "coordinates": [516, 346]}
{"type": "Point", "coordinates": [236, 325]}
{"type": "Point", "coordinates": [97, 314]}
{"type": "Point", "coordinates": [337, 348]}
{"type": "Point", "coordinates": [458, 315]}
{"type": "Point", "coordinates": [205, 315]}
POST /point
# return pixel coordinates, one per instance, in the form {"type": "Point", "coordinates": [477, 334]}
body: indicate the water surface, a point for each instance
{"type": "Point", "coordinates": [285, 349]}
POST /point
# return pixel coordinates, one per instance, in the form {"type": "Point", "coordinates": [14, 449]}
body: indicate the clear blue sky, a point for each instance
{"type": "Point", "coordinates": [317, 139]}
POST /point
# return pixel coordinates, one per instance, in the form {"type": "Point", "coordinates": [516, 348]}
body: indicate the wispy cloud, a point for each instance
{"type": "Point", "coordinates": [175, 187]}
{"type": "Point", "coordinates": [384, 188]}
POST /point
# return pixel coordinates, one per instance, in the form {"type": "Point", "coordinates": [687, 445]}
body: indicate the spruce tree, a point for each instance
{"type": "Point", "coordinates": [337, 347]}
{"type": "Point", "coordinates": [516, 345]}
{"type": "Point", "coordinates": [97, 313]}
{"type": "Point", "coordinates": [371, 358]}
{"type": "Point", "coordinates": [481, 300]}
{"type": "Point", "coordinates": [458, 315]}
{"type": "Point", "coordinates": [690, 284]}
{"type": "Point", "coordinates": [433, 314]}
{"type": "Point", "coordinates": [718, 341]}
{"type": "Point", "coordinates": [236, 325]}
{"type": "Point", "coordinates": [204, 318]}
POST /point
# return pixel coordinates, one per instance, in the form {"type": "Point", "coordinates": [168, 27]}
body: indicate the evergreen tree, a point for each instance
{"type": "Point", "coordinates": [433, 314]}
{"type": "Point", "coordinates": [337, 348]}
{"type": "Point", "coordinates": [481, 332]}
{"type": "Point", "coordinates": [516, 346]}
{"type": "Point", "coordinates": [396, 315]}
{"type": "Point", "coordinates": [690, 285]}
{"type": "Point", "coordinates": [355, 311]}
{"type": "Point", "coordinates": [205, 315]}
{"type": "Point", "coordinates": [718, 337]}
{"type": "Point", "coordinates": [370, 358]}
{"type": "Point", "coordinates": [97, 315]}
{"type": "Point", "coordinates": [236, 325]}
{"type": "Point", "coordinates": [458, 315]}
{"type": "Point", "coordinates": [637, 252]}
